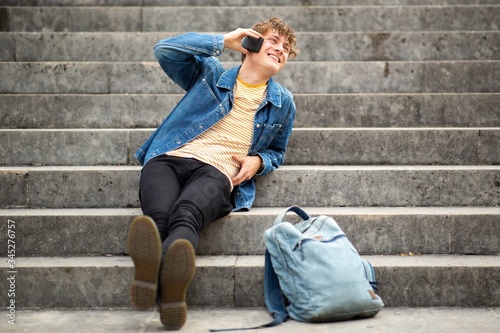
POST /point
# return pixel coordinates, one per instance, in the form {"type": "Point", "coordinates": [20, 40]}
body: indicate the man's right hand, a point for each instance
{"type": "Point", "coordinates": [232, 40]}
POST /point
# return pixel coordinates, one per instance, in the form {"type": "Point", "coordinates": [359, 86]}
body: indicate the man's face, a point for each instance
{"type": "Point", "coordinates": [273, 54]}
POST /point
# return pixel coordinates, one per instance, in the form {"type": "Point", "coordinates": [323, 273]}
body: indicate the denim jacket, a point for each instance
{"type": "Point", "coordinates": [190, 61]}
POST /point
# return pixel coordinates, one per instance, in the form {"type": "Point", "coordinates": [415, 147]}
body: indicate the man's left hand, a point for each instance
{"type": "Point", "coordinates": [250, 165]}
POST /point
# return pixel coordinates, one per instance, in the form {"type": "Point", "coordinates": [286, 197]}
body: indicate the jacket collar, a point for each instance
{"type": "Point", "coordinates": [228, 79]}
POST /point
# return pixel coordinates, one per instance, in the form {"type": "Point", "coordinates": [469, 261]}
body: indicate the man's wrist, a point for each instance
{"type": "Point", "coordinates": [262, 164]}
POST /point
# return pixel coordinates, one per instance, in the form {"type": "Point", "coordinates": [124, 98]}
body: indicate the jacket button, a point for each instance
{"type": "Point", "coordinates": [201, 126]}
{"type": "Point", "coordinates": [258, 125]}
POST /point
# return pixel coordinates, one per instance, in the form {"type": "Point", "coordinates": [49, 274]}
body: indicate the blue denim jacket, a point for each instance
{"type": "Point", "coordinates": [189, 60]}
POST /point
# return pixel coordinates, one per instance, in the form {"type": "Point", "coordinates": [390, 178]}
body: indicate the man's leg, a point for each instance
{"type": "Point", "coordinates": [204, 198]}
{"type": "Point", "coordinates": [182, 196]}
{"type": "Point", "coordinates": [159, 189]}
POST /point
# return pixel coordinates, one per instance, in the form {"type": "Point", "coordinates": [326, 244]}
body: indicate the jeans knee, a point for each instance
{"type": "Point", "coordinates": [187, 214]}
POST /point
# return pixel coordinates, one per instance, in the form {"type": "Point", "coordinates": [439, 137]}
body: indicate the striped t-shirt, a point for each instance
{"type": "Point", "coordinates": [231, 136]}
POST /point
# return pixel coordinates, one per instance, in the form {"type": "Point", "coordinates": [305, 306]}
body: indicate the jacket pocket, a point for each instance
{"type": "Point", "coordinates": [266, 135]}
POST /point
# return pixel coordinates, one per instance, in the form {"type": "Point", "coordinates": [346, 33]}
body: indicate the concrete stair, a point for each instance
{"type": "Point", "coordinates": [200, 18]}
{"type": "Point", "coordinates": [322, 77]}
{"type": "Point", "coordinates": [336, 46]}
{"type": "Point", "coordinates": [335, 110]}
{"type": "Point", "coordinates": [237, 281]}
{"type": "Point", "coordinates": [396, 136]}
{"type": "Point", "coordinates": [374, 230]}
{"type": "Point", "coordinates": [307, 146]}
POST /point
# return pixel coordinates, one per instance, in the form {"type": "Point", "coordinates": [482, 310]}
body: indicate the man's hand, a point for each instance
{"type": "Point", "coordinates": [249, 167]}
{"type": "Point", "coordinates": [232, 40]}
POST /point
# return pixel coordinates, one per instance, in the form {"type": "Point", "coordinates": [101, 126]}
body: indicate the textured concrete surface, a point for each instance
{"type": "Point", "coordinates": [242, 2]}
{"type": "Point", "coordinates": [344, 46]}
{"type": "Point", "coordinates": [369, 186]}
{"type": "Point", "coordinates": [237, 281]}
{"type": "Point", "coordinates": [388, 320]}
{"type": "Point", "coordinates": [392, 147]}
{"type": "Point", "coordinates": [350, 77]}
{"type": "Point", "coordinates": [308, 18]}
{"type": "Point", "coordinates": [80, 111]}
{"type": "Point", "coordinates": [313, 110]}
{"type": "Point", "coordinates": [316, 186]}
{"type": "Point", "coordinates": [63, 147]}
{"type": "Point", "coordinates": [319, 146]}
{"type": "Point", "coordinates": [375, 230]}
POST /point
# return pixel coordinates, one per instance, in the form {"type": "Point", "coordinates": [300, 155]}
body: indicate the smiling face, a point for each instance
{"type": "Point", "coordinates": [273, 54]}
{"type": "Point", "coordinates": [280, 44]}
{"type": "Point", "coordinates": [277, 48]}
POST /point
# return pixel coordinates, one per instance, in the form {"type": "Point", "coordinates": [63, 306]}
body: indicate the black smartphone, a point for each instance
{"type": "Point", "coordinates": [252, 44]}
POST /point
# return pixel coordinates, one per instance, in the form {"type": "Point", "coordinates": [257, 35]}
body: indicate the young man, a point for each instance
{"type": "Point", "coordinates": [199, 164]}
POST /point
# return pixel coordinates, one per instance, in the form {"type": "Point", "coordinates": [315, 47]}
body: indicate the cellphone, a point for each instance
{"type": "Point", "coordinates": [252, 44]}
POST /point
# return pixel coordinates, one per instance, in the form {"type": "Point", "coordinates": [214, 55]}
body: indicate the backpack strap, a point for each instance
{"type": "Point", "coordinates": [273, 295]}
{"type": "Point", "coordinates": [296, 209]}
{"type": "Point", "coordinates": [370, 274]}
{"type": "Point", "coordinates": [274, 299]}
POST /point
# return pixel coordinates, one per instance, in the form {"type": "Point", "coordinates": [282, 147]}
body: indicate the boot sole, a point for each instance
{"type": "Point", "coordinates": [144, 247]}
{"type": "Point", "coordinates": [177, 272]}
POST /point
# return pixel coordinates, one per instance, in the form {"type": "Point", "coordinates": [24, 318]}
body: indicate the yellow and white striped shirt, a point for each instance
{"type": "Point", "coordinates": [231, 136]}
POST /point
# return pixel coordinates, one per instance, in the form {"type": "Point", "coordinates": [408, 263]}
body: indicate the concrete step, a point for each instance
{"type": "Point", "coordinates": [389, 146]}
{"type": "Point", "coordinates": [307, 146]}
{"type": "Point", "coordinates": [237, 281]}
{"type": "Point", "coordinates": [372, 230]}
{"type": "Point", "coordinates": [169, 3]}
{"type": "Point", "coordinates": [366, 46]}
{"type": "Point", "coordinates": [302, 18]}
{"type": "Point", "coordinates": [388, 320]}
{"type": "Point", "coordinates": [317, 186]}
{"type": "Point", "coordinates": [322, 77]}
{"type": "Point", "coordinates": [313, 110]}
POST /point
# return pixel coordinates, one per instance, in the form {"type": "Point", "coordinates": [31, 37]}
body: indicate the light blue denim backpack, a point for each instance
{"type": "Point", "coordinates": [318, 270]}
{"type": "Point", "coordinates": [313, 273]}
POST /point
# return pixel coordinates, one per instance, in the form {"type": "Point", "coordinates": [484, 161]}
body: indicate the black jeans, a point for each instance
{"type": "Point", "coordinates": [183, 196]}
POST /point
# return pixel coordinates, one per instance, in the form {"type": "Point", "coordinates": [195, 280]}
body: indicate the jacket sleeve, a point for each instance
{"type": "Point", "coordinates": [181, 56]}
{"type": "Point", "coordinates": [274, 155]}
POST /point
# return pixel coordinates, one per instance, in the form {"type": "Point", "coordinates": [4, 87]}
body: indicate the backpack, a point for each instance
{"type": "Point", "coordinates": [313, 273]}
{"type": "Point", "coordinates": [318, 270]}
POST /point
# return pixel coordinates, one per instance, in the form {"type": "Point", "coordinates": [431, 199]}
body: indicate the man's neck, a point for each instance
{"type": "Point", "coordinates": [251, 75]}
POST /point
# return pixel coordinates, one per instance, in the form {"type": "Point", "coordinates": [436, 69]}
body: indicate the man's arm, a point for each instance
{"type": "Point", "coordinates": [274, 154]}
{"type": "Point", "coordinates": [180, 57]}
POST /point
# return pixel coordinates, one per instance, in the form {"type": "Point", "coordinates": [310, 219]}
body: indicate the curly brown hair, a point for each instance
{"type": "Point", "coordinates": [283, 29]}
